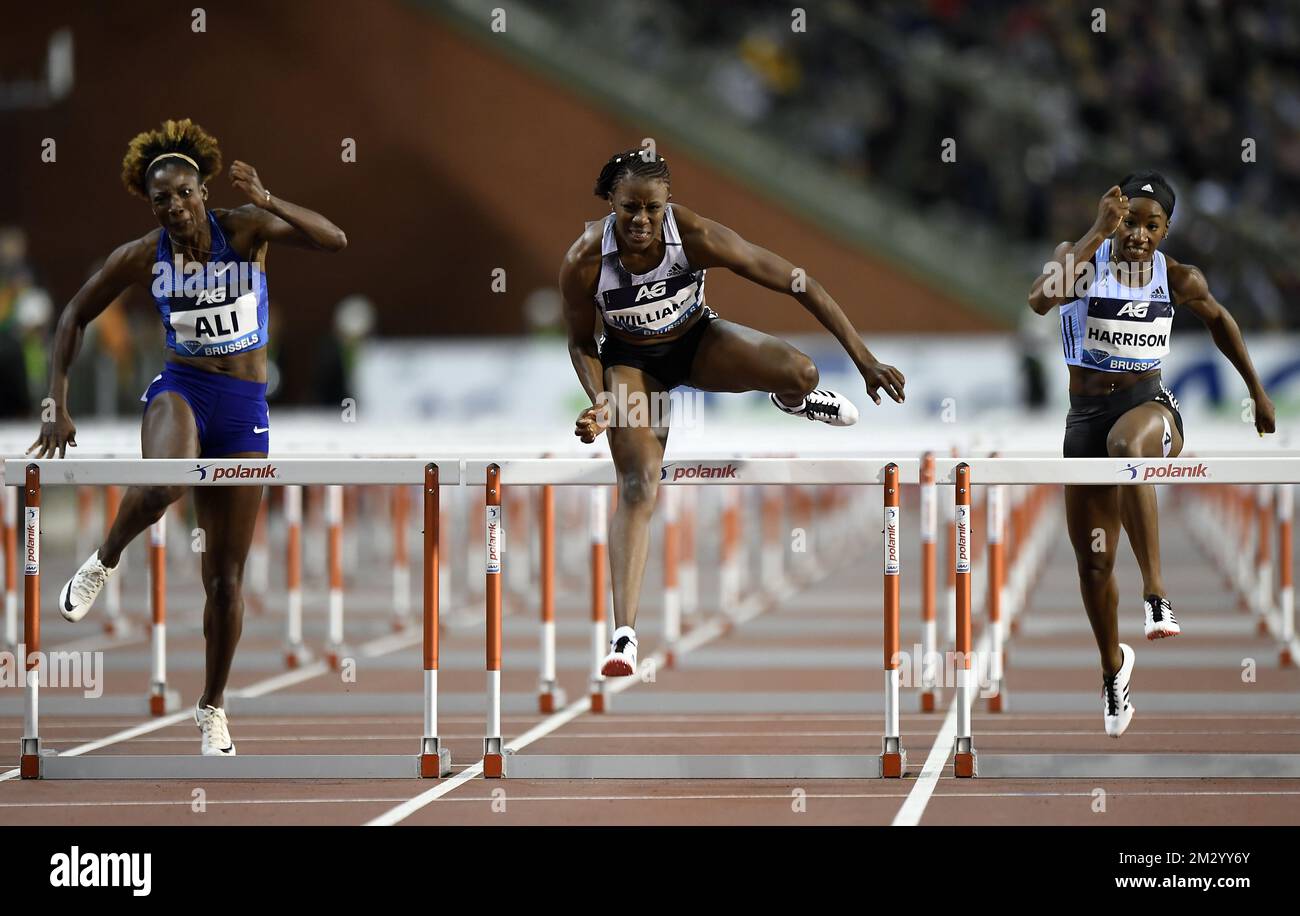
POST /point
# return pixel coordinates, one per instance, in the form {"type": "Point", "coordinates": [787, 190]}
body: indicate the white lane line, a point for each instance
{"type": "Point", "coordinates": [697, 637]}
{"type": "Point", "coordinates": [909, 815]}
{"type": "Point", "coordinates": [407, 808]}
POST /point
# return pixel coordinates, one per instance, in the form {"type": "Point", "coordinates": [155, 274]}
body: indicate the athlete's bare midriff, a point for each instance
{"type": "Point", "coordinates": [1094, 383]}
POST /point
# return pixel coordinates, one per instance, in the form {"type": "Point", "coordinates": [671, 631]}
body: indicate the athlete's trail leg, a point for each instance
{"type": "Point", "coordinates": [1092, 516]}
{"type": "Point", "coordinates": [168, 431]}
{"type": "Point", "coordinates": [1140, 433]}
{"type": "Point", "coordinates": [733, 357]}
{"type": "Point", "coordinates": [638, 451]}
{"type": "Point", "coordinates": [227, 516]}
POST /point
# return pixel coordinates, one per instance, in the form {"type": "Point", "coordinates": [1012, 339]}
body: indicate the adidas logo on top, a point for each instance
{"type": "Point", "coordinates": [1159, 293]}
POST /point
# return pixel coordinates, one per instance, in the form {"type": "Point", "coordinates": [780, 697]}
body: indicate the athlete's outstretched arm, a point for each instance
{"type": "Point", "coordinates": [125, 266]}
{"type": "Point", "coordinates": [1190, 291]}
{"type": "Point", "coordinates": [711, 244]}
{"type": "Point", "coordinates": [1056, 284]}
{"type": "Point", "coordinates": [276, 220]}
{"type": "Point", "coordinates": [577, 280]}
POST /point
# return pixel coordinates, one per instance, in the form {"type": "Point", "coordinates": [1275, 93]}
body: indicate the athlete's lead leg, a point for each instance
{"type": "Point", "coordinates": [1146, 431]}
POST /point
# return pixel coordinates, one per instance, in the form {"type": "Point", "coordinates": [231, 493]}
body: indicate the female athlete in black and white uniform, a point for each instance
{"type": "Point", "coordinates": [1117, 295]}
{"type": "Point", "coordinates": [639, 274]}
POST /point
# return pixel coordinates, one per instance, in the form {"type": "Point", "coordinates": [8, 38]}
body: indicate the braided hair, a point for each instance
{"type": "Point", "coordinates": [633, 163]}
{"type": "Point", "coordinates": [184, 137]}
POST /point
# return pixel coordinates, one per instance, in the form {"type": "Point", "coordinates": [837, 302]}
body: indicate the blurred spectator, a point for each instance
{"type": "Point", "coordinates": [354, 320]}
{"type": "Point", "coordinates": [1047, 112]}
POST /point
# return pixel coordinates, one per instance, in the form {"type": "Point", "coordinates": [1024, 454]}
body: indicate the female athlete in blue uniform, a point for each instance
{"type": "Point", "coordinates": [1117, 295]}
{"type": "Point", "coordinates": [204, 271]}
{"type": "Point", "coordinates": [639, 275]}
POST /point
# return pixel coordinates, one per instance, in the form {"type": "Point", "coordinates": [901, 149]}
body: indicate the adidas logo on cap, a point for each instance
{"type": "Point", "coordinates": [1147, 187]}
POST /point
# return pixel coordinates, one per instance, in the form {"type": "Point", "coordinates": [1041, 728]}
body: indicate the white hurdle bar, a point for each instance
{"type": "Point", "coordinates": [432, 760]}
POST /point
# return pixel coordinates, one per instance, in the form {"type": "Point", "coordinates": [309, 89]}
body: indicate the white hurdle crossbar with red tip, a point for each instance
{"type": "Point", "coordinates": [432, 760]}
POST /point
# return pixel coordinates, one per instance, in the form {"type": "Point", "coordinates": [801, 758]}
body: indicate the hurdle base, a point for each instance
{"type": "Point", "coordinates": [118, 627]}
{"type": "Point", "coordinates": [29, 760]}
{"type": "Point", "coordinates": [1261, 627]}
{"type": "Point", "coordinates": [400, 623]}
{"type": "Point", "coordinates": [550, 697]}
{"type": "Point", "coordinates": [296, 656]}
{"type": "Point", "coordinates": [1285, 659]}
{"type": "Point", "coordinates": [435, 760]}
{"type": "Point", "coordinates": [599, 697]}
{"type": "Point", "coordinates": [256, 766]}
{"type": "Point", "coordinates": [334, 655]}
{"type": "Point", "coordinates": [691, 766]}
{"type": "Point", "coordinates": [927, 701]}
{"type": "Point", "coordinates": [964, 762]}
{"type": "Point", "coordinates": [163, 701]}
{"type": "Point", "coordinates": [1140, 766]}
{"type": "Point", "coordinates": [998, 701]}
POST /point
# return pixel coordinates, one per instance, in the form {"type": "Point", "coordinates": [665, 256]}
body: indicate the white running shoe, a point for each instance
{"type": "Point", "coordinates": [821, 404]}
{"type": "Point", "coordinates": [1117, 710]}
{"type": "Point", "coordinates": [80, 592]}
{"type": "Point", "coordinates": [216, 732]}
{"type": "Point", "coordinates": [1160, 619]}
{"type": "Point", "coordinates": [621, 660]}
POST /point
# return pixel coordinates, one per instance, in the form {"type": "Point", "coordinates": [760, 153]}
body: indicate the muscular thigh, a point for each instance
{"type": "Point", "coordinates": [227, 516]}
{"type": "Point", "coordinates": [1141, 432]}
{"type": "Point", "coordinates": [735, 358]}
{"type": "Point", "coordinates": [634, 440]}
{"type": "Point", "coordinates": [169, 429]}
{"type": "Point", "coordinates": [1092, 518]}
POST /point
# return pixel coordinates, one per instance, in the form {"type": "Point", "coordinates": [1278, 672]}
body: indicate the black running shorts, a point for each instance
{"type": "Point", "coordinates": [668, 362]}
{"type": "Point", "coordinates": [1091, 418]}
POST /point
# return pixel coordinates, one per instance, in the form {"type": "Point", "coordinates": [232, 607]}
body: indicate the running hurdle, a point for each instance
{"type": "Point", "coordinates": [501, 761]}
{"type": "Point", "coordinates": [432, 760]}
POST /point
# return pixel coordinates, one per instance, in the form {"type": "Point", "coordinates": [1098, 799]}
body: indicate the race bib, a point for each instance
{"type": "Point", "coordinates": [217, 327]}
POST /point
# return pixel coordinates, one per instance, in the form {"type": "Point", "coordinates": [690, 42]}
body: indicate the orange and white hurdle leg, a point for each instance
{"type": "Point", "coordinates": [549, 695]}
{"type": "Point", "coordinates": [9, 536]}
{"type": "Point", "coordinates": [435, 760]}
{"type": "Point", "coordinates": [964, 763]}
{"type": "Point", "coordinates": [1264, 559]}
{"type": "Point", "coordinates": [335, 650]}
{"type": "Point", "coordinates": [772, 560]}
{"type": "Point", "coordinates": [29, 749]}
{"type": "Point", "coordinates": [295, 651]}
{"type": "Point", "coordinates": [893, 759]}
{"type": "Point", "coordinates": [398, 499]}
{"type": "Point", "coordinates": [114, 623]}
{"type": "Point", "coordinates": [672, 597]}
{"type": "Point", "coordinates": [599, 563]}
{"type": "Point", "coordinates": [161, 700]}
{"type": "Point", "coordinates": [729, 566]}
{"type": "Point", "coordinates": [494, 766]}
{"type": "Point", "coordinates": [929, 627]}
{"type": "Point", "coordinates": [1285, 587]}
{"type": "Point", "coordinates": [688, 573]}
{"type": "Point", "coordinates": [996, 571]}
